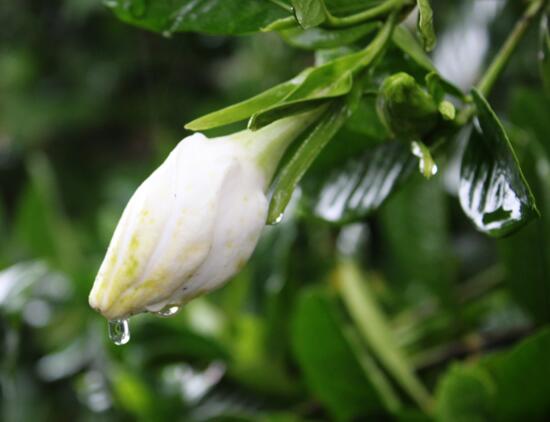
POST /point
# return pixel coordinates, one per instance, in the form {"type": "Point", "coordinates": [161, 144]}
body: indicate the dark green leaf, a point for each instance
{"type": "Point", "coordinates": [415, 225]}
{"type": "Point", "coordinates": [210, 16]}
{"type": "Point", "coordinates": [425, 25]}
{"type": "Point", "coordinates": [309, 13]}
{"type": "Point", "coordinates": [360, 185]}
{"type": "Point", "coordinates": [291, 174]}
{"type": "Point", "coordinates": [493, 191]}
{"type": "Point", "coordinates": [306, 97]}
{"type": "Point", "coordinates": [465, 394]}
{"type": "Point", "coordinates": [365, 120]}
{"type": "Point", "coordinates": [337, 372]}
{"type": "Point", "coordinates": [284, 110]}
{"type": "Point", "coordinates": [508, 386]}
{"type": "Point", "coordinates": [526, 254]}
{"type": "Point", "coordinates": [403, 39]}
{"type": "Point", "coordinates": [318, 38]}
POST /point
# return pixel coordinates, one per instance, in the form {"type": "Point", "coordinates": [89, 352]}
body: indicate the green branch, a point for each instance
{"type": "Point", "coordinates": [366, 15]}
{"type": "Point", "coordinates": [499, 62]}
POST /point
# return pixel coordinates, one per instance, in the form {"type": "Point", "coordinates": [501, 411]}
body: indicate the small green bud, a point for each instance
{"type": "Point", "coordinates": [447, 110]}
{"type": "Point", "coordinates": [405, 107]}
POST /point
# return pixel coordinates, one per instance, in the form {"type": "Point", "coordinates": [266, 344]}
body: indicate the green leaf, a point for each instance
{"type": "Point", "coordinates": [309, 13]}
{"type": "Point", "coordinates": [465, 394]}
{"type": "Point", "coordinates": [365, 120]}
{"type": "Point", "coordinates": [425, 25]}
{"type": "Point", "coordinates": [41, 225]}
{"type": "Point", "coordinates": [375, 330]}
{"type": "Point", "coordinates": [403, 39]}
{"type": "Point", "coordinates": [312, 98]}
{"type": "Point", "coordinates": [209, 16]}
{"type": "Point", "coordinates": [510, 386]}
{"type": "Point", "coordinates": [246, 108]}
{"type": "Point", "coordinates": [360, 185]}
{"type": "Point", "coordinates": [291, 174]}
{"type": "Point", "coordinates": [493, 191]}
{"type": "Point", "coordinates": [277, 112]}
{"type": "Point", "coordinates": [415, 227]}
{"type": "Point", "coordinates": [526, 254]}
{"type": "Point", "coordinates": [341, 375]}
{"type": "Point", "coordinates": [319, 38]}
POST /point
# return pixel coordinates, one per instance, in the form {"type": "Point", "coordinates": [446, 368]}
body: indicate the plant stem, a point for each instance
{"type": "Point", "coordinates": [375, 329]}
{"type": "Point", "coordinates": [373, 12]}
{"type": "Point", "coordinates": [500, 61]}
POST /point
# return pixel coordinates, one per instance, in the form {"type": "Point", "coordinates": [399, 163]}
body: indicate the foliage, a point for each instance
{"type": "Point", "coordinates": [380, 294]}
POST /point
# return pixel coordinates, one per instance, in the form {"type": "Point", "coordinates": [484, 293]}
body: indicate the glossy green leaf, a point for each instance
{"type": "Point", "coordinates": [319, 38]}
{"type": "Point", "coordinates": [322, 79]}
{"type": "Point", "coordinates": [425, 25]}
{"type": "Point", "coordinates": [291, 174]}
{"type": "Point", "coordinates": [511, 385]}
{"type": "Point", "coordinates": [210, 16]}
{"type": "Point", "coordinates": [246, 108]}
{"type": "Point", "coordinates": [341, 375]}
{"type": "Point", "coordinates": [493, 191]}
{"type": "Point", "coordinates": [406, 41]}
{"type": "Point", "coordinates": [359, 186]}
{"type": "Point", "coordinates": [309, 13]}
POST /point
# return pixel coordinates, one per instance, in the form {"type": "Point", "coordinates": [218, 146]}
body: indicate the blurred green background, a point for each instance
{"type": "Point", "coordinates": [89, 106]}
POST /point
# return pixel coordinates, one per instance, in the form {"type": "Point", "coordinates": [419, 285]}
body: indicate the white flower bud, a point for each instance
{"type": "Point", "coordinates": [194, 222]}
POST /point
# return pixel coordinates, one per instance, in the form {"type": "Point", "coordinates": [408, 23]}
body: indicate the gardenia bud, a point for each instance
{"type": "Point", "coordinates": [406, 109]}
{"type": "Point", "coordinates": [194, 222]}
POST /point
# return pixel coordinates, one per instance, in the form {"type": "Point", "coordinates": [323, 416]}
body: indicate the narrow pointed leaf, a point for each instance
{"type": "Point", "coordinates": [425, 25]}
{"type": "Point", "coordinates": [291, 174]}
{"type": "Point", "coordinates": [244, 109]}
{"type": "Point", "coordinates": [406, 41]}
{"type": "Point", "coordinates": [493, 191]}
{"type": "Point", "coordinates": [339, 87]}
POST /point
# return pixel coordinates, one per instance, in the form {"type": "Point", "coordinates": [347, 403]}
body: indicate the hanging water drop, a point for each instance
{"type": "Point", "coordinates": [168, 311]}
{"type": "Point", "coordinates": [119, 331]}
{"type": "Point", "coordinates": [277, 220]}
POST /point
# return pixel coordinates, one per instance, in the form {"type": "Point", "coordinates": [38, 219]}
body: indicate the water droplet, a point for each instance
{"type": "Point", "coordinates": [168, 311]}
{"type": "Point", "coordinates": [277, 220]}
{"type": "Point", "coordinates": [119, 331]}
